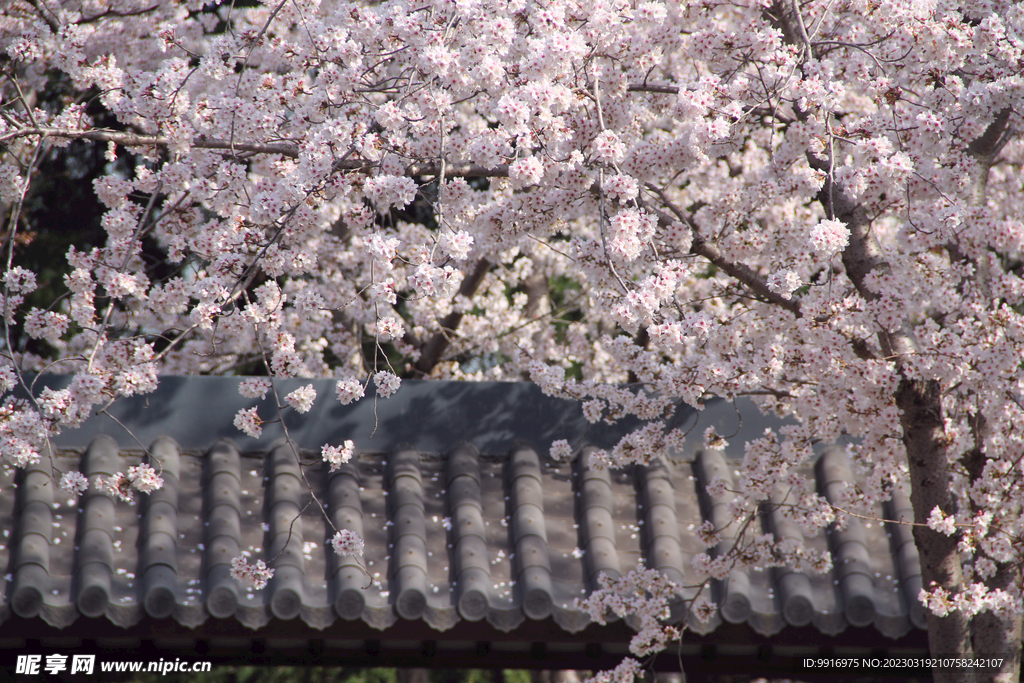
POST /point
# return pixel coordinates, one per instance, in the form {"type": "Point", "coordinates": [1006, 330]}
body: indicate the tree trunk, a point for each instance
{"type": "Point", "coordinates": [995, 637]}
{"type": "Point", "coordinates": [435, 347]}
{"type": "Point", "coordinates": [999, 638]}
{"type": "Point", "coordinates": [920, 404]}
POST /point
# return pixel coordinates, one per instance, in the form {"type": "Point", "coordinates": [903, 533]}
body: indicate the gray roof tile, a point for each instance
{"type": "Point", "coordinates": [502, 535]}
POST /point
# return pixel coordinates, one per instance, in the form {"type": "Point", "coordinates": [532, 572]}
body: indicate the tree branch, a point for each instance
{"type": "Point", "coordinates": [283, 148]}
{"type": "Point", "coordinates": [985, 149]}
{"type": "Point", "coordinates": [439, 343]}
{"type": "Point", "coordinates": [701, 247]}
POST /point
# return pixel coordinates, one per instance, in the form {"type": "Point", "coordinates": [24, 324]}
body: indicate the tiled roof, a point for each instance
{"type": "Point", "coordinates": [465, 518]}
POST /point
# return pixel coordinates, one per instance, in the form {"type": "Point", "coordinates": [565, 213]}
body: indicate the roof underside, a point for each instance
{"type": "Point", "coordinates": [474, 546]}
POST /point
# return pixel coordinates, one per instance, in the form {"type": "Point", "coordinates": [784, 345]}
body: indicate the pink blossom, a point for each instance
{"type": "Point", "coordinates": [11, 183]}
{"type": "Point", "coordinates": [621, 187]}
{"type": "Point", "coordinates": [626, 672]}
{"type": "Point", "coordinates": [258, 574]}
{"type": "Point", "coordinates": [457, 244]}
{"type": "Point", "coordinates": [335, 456]}
{"type": "Point", "coordinates": [249, 422]}
{"type": "Point", "coordinates": [384, 291]}
{"type": "Point", "coordinates": [118, 485]}
{"type": "Point", "coordinates": [19, 452]}
{"type": "Point", "coordinates": [784, 282]}
{"type": "Point", "coordinates": [608, 147]}
{"type": "Point", "coordinates": [144, 478]}
{"type": "Point", "coordinates": [387, 328]}
{"type": "Point", "coordinates": [592, 411]}
{"type": "Point", "coordinates": [944, 524]}
{"type": "Point", "coordinates": [560, 450]}
{"type": "Point", "coordinates": [48, 325]}
{"type": "Point", "coordinates": [388, 190]}
{"type": "Point", "coordinates": [383, 249]}
{"type": "Point", "coordinates": [592, 194]}
{"type": "Point", "coordinates": [8, 378]}
{"type": "Point", "coordinates": [713, 440]}
{"type": "Point", "coordinates": [254, 387]}
{"type": "Point", "coordinates": [643, 593]}
{"type": "Point", "coordinates": [302, 398]}
{"type": "Point", "coordinates": [56, 403]}
{"type": "Point", "coordinates": [20, 281]}
{"type": "Point", "coordinates": [74, 483]}
{"type": "Point", "coordinates": [828, 237]}
{"type": "Point", "coordinates": [348, 390]}
{"type": "Point", "coordinates": [525, 172]}
{"type": "Point", "coordinates": [434, 281]}
{"type": "Point", "coordinates": [347, 542]}
{"type": "Point", "coordinates": [387, 383]}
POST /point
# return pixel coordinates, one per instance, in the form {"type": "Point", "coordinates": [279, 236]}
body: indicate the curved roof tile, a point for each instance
{"type": "Point", "coordinates": [453, 534]}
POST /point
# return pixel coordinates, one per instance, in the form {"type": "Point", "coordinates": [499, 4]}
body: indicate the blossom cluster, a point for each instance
{"type": "Point", "coordinates": [347, 542]}
{"type": "Point", "coordinates": [335, 456]}
{"type": "Point", "coordinates": [140, 478]}
{"type": "Point", "coordinates": [644, 593]}
{"type": "Point", "coordinates": [638, 205]}
{"type": "Point", "coordinates": [258, 574]}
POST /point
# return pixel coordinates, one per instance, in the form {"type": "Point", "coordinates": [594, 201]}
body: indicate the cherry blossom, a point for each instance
{"type": "Point", "coordinates": [638, 206]}
{"type": "Point", "coordinates": [117, 485]}
{"type": "Point", "coordinates": [145, 478]}
{"type": "Point", "coordinates": [560, 450]}
{"type": "Point", "coordinates": [944, 524]}
{"type": "Point", "coordinates": [784, 282]}
{"type": "Point", "coordinates": [74, 483]}
{"type": "Point", "coordinates": [258, 574]}
{"type": "Point", "coordinates": [254, 387]}
{"type": "Point", "coordinates": [828, 237]}
{"type": "Point", "coordinates": [335, 456]}
{"type": "Point", "coordinates": [346, 542]}
{"type": "Point", "coordinates": [387, 328]}
{"type": "Point", "coordinates": [302, 398]}
{"type": "Point", "coordinates": [626, 672]}
{"type": "Point", "coordinates": [642, 592]}
{"type": "Point", "coordinates": [387, 383]}
{"type": "Point", "coordinates": [20, 280]}
{"type": "Point", "coordinates": [8, 379]}
{"type": "Point", "coordinates": [249, 422]}
{"type": "Point", "coordinates": [348, 390]}
{"type": "Point", "coordinates": [457, 244]}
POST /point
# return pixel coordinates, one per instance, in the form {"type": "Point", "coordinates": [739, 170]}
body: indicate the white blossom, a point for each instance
{"type": "Point", "coordinates": [560, 450]}
{"type": "Point", "coordinates": [302, 398]}
{"type": "Point", "coordinates": [631, 193]}
{"type": "Point", "coordinates": [830, 236]}
{"type": "Point", "coordinates": [8, 378]}
{"type": "Point", "coordinates": [457, 244]}
{"type": "Point", "coordinates": [144, 478]}
{"type": "Point", "coordinates": [387, 328]}
{"type": "Point", "coordinates": [74, 483]}
{"type": "Point", "coordinates": [784, 282]}
{"type": "Point", "coordinates": [335, 456]}
{"type": "Point", "coordinates": [526, 172]}
{"type": "Point", "coordinates": [258, 574]}
{"type": "Point", "coordinates": [944, 524]}
{"type": "Point", "coordinates": [249, 422]}
{"type": "Point", "coordinates": [117, 485]}
{"type": "Point", "coordinates": [347, 542]}
{"type": "Point", "coordinates": [254, 387]}
{"type": "Point", "coordinates": [348, 390]}
{"type": "Point", "coordinates": [20, 280]}
{"type": "Point", "coordinates": [387, 383]}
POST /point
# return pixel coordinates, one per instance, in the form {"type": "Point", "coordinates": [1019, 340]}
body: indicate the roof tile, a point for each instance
{"type": "Point", "coordinates": [457, 533]}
